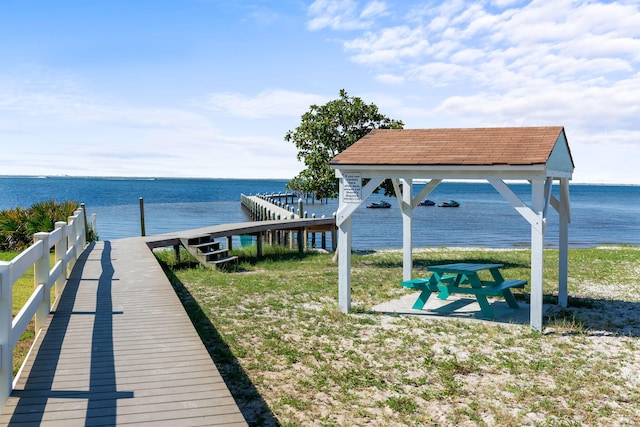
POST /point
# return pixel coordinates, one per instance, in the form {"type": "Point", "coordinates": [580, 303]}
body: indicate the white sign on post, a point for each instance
{"type": "Point", "coordinates": [352, 191]}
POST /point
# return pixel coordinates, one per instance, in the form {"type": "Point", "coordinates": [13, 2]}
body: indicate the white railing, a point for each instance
{"type": "Point", "coordinates": [266, 208]}
{"type": "Point", "coordinates": [69, 240]}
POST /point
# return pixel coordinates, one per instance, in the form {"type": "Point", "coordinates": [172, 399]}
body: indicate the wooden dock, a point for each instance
{"type": "Point", "coordinates": [250, 228]}
{"type": "Point", "coordinates": [119, 349]}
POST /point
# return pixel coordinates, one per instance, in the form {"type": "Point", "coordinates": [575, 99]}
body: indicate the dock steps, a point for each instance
{"type": "Point", "coordinates": [208, 251]}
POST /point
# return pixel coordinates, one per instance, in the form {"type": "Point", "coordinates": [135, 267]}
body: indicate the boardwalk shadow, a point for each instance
{"type": "Point", "coordinates": [253, 407]}
{"type": "Point", "coordinates": [98, 403]}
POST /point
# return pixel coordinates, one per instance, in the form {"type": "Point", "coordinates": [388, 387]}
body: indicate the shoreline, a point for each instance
{"type": "Point", "coordinates": [602, 246]}
{"type": "Point", "coordinates": [125, 177]}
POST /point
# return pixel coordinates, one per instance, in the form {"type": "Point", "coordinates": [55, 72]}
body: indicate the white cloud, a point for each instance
{"type": "Point", "coordinates": [343, 14]}
{"type": "Point", "coordinates": [467, 55]}
{"type": "Point", "coordinates": [62, 98]}
{"type": "Point", "coordinates": [373, 9]}
{"type": "Point", "coordinates": [569, 58]}
{"type": "Point", "coordinates": [63, 128]}
{"type": "Point", "coordinates": [438, 74]}
{"type": "Point", "coordinates": [389, 45]}
{"type": "Point", "coordinates": [390, 79]}
{"type": "Point", "coordinates": [543, 35]}
{"type": "Point", "coordinates": [510, 62]}
{"type": "Point", "coordinates": [265, 104]}
{"type": "Point", "coordinates": [589, 108]}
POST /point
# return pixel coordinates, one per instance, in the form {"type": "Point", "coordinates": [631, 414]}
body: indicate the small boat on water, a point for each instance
{"type": "Point", "coordinates": [427, 202]}
{"type": "Point", "coordinates": [379, 205]}
{"type": "Point", "coordinates": [449, 204]}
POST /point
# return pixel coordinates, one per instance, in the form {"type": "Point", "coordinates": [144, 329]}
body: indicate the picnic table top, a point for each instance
{"type": "Point", "coordinates": [462, 268]}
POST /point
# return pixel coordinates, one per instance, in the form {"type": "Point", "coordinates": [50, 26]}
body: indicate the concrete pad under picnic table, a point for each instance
{"type": "Point", "coordinates": [458, 307]}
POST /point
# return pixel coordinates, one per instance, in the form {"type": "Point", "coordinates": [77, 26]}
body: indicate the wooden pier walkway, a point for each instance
{"type": "Point", "coordinates": [120, 349]}
{"type": "Point", "coordinates": [255, 228]}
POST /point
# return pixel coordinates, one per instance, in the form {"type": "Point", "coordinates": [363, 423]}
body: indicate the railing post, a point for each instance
{"type": "Point", "coordinates": [94, 226]}
{"type": "Point", "coordinates": [72, 240]}
{"type": "Point", "coordinates": [41, 277]}
{"type": "Point", "coordinates": [60, 254]}
{"type": "Point", "coordinates": [69, 235]}
{"type": "Point", "coordinates": [6, 352]}
{"type": "Point", "coordinates": [83, 225]}
{"type": "Point", "coordinates": [77, 233]}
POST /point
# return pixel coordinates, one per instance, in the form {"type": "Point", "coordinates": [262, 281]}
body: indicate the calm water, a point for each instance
{"type": "Point", "coordinates": [600, 214]}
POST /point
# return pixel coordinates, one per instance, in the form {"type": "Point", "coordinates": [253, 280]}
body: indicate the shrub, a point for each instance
{"type": "Point", "coordinates": [18, 225]}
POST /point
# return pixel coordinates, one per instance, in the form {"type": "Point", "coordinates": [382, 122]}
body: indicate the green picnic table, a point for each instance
{"type": "Point", "coordinates": [463, 278]}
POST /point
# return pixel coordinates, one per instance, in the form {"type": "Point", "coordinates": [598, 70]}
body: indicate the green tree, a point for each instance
{"type": "Point", "coordinates": [327, 130]}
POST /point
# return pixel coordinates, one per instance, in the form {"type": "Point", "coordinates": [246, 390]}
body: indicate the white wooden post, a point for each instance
{"type": "Point", "coordinates": [71, 241]}
{"type": "Point", "coordinates": [344, 265]}
{"type": "Point", "coordinates": [343, 222]}
{"type": "Point", "coordinates": [78, 233]}
{"type": "Point", "coordinates": [6, 317]}
{"type": "Point", "coordinates": [537, 254]}
{"type": "Point", "coordinates": [41, 277]}
{"type": "Point", "coordinates": [563, 258]}
{"type": "Point", "coordinates": [344, 252]}
{"type": "Point", "coordinates": [83, 226]}
{"type": "Point", "coordinates": [407, 229]}
{"type": "Point", "coordinates": [60, 254]}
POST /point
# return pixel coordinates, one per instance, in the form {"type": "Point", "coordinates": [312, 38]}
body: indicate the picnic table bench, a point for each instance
{"type": "Point", "coordinates": [463, 278]}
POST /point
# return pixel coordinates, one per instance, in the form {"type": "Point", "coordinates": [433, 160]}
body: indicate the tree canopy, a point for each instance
{"type": "Point", "coordinates": [327, 130]}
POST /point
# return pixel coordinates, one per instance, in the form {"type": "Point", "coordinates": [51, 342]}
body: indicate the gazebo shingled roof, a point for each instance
{"type": "Point", "coordinates": [454, 147]}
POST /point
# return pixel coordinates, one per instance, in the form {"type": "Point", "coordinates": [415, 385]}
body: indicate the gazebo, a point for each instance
{"type": "Point", "coordinates": [538, 155]}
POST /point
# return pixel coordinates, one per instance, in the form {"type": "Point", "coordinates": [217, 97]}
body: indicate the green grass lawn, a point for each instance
{"type": "Point", "coordinates": [287, 353]}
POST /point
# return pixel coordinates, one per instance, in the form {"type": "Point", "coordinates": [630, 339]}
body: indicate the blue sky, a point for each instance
{"type": "Point", "coordinates": [197, 88]}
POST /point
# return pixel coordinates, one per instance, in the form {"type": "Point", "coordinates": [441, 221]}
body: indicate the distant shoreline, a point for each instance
{"type": "Point", "coordinates": [572, 183]}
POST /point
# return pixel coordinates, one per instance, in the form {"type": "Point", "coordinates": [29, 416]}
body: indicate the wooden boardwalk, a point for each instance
{"type": "Point", "coordinates": [120, 349]}
{"type": "Point", "coordinates": [241, 229]}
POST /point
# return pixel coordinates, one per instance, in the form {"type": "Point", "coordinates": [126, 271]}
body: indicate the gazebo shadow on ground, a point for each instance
{"type": "Point", "coordinates": [599, 316]}
{"type": "Point", "coordinates": [590, 316]}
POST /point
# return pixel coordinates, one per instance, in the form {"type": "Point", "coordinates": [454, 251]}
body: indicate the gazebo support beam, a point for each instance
{"type": "Point", "coordinates": [343, 221]}
{"type": "Point", "coordinates": [537, 254]}
{"type": "Point", "coordinates": [562, 206]}
{"type": "Point", "coordinates": [563, 243]}
{"type": "Point", "coordinates": [425, 192]}
{"type": "Point", "coordinates": [404, 196]}
{"type": "Point", "coordinates": [535, 215]}
{"type": "Point", "coordinates": [344, 265]}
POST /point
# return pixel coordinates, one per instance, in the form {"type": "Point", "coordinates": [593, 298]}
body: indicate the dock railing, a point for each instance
{"type": "Point", "coordinates": [69, 240]}
{"type": "Point", "coordinates": [269, 207]}
{"type": "Point", "coordinates": [266, 207]}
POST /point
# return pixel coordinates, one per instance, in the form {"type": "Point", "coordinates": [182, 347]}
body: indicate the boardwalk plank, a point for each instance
{"type": "Point", "coordinates": [143, 397]}
{"type": "Point", "coordinates": [119, 349]}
